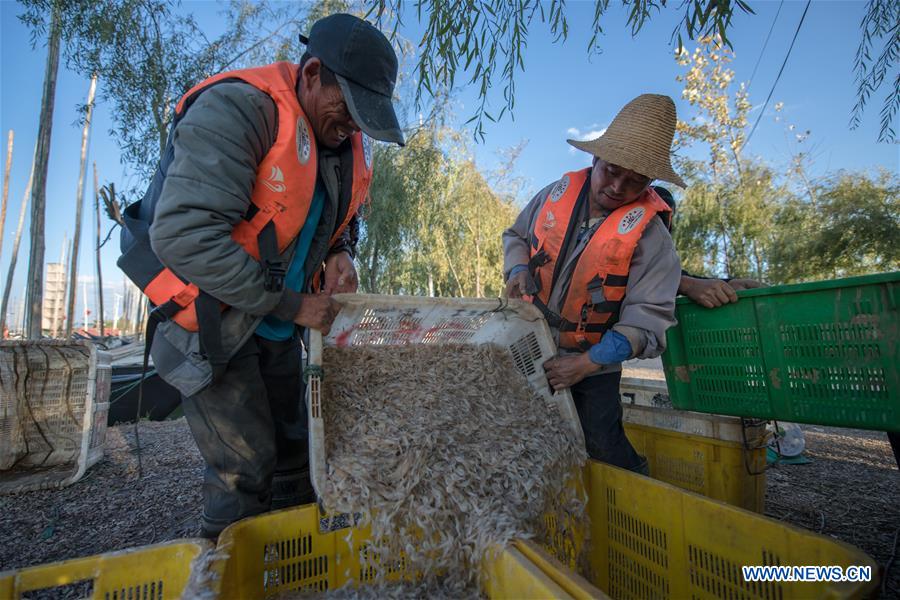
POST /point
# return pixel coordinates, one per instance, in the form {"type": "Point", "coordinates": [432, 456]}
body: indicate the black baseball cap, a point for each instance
{"type": "Point", "coordinates": [365, 66]}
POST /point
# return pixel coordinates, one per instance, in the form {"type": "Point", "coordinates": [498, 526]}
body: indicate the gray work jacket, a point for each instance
{"type": "Point", "coordinates": [205, 183]}
{"type": "Point", "coordinates": [648, 308]}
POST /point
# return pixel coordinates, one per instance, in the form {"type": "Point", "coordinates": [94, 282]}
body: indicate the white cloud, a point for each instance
{"type": "Point", "coordinates": [591, 132]}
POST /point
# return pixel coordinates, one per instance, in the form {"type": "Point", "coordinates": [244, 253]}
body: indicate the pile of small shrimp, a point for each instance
{"type": "Point", "coordinates": [448, 453]}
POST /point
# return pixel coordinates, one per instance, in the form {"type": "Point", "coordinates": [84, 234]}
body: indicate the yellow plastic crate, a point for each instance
{"type": "Point", "coordinates": [716, 468]}
{"type": "Point", "coordinates": [649, 539]}
{"type": "Point", "coordinates": [157, 572]}
{"type": "Point", "coordinates": [290, 550]}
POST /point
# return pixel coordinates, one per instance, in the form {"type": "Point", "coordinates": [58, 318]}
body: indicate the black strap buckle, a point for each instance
{"type": "Point", "coordinates": [584, 317]}
{"type": "Point", "coordinates": [274, 276]}
{"type": "Point", "coordinates": [273, 267]}
{"type": "Point", "coordinates": [540, 259]}
{"type": "Point", "coordinates": [553, 319]}
{"type": "Point", "coordinates": [164, 311]}
{"type": "Point", "coordinates": [595, 290]}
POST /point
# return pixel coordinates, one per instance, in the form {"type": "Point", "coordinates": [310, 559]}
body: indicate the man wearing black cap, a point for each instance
{"type": "Point", "coordinates": [255, 196]}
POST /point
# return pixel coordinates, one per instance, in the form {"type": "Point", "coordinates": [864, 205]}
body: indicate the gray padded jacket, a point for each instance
{"type": "Point", "coordinates": [204, 184]}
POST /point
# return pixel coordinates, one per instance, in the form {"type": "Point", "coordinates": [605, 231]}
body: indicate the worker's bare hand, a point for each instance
{"type": "Point", "coordinates": [517, 284]}
{"type": "Point", "coordinates": [340, 274]}
{"type": "Point", "coordinates": [317, 311]}
{"type": "Point", "coordinates": [710, 293]}
{"type": "Point", "coordinates": [565, 371]}
{"type": "Point", "coordinates": [745, 284]}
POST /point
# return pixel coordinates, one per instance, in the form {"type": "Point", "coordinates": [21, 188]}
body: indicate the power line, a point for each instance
{"type": "Point", "coordinates": [766, 43]}
{"type": "Point", "coordinates": [777, 77]}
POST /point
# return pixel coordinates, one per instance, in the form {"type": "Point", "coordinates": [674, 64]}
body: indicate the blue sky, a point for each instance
{"type": "Point", "coordinates": [562, 93]}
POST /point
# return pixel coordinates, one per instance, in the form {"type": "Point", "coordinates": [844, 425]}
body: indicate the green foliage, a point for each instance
{"type": "Point", "coordinates": [722, 223]}
{"type": "Point", "coordinates": [741, 218]}
{"type": "Point", "coordinates": [483, 41]}
{"type": "Point", "coordinates": [881, 22]}
{"type": "Point", "coordinates": [854, 229]}
{"type": "Point", "coordinates": [433, 224]}
{"type": "Point", "coordinates": [147, 53]}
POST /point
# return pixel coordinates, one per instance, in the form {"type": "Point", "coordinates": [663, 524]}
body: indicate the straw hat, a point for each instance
{"type": "Point", "coordinates": [639, 138]}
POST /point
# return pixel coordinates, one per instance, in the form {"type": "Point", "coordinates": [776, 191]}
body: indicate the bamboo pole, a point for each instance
{"type": "Point", "coordinates": [79, 204]}
{"type": "Point", "coordinates": [9, 151]}
{"type": "Point", "coordinates": [84, 308]}
{"type": "Point", "coordinates": [34, 281]}
{"type": "Point", "coordinates": [99, 267]}
{"type": "Point", "coordinates": [15, 252]}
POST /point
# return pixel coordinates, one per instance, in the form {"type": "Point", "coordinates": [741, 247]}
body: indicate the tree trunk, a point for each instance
{"type": "Point", "coordinates": [450, 264]}
{"type": "Point", "coordinates": [9, 151]}
{"type": "Point", "coordinates": [15, 253]}
{"type": "Point", "coordinates": [99, 267]}
{"type": "Point", "coordinates": [759, 262]}
{"type": "Point", "coordinates": [35, 290]}
{"type": "Point", "coordinates": [373, 265]}
{"type": "Point", "coordinates": [79, 204]}
{"type": "Point", "coordinates": [478, 291]}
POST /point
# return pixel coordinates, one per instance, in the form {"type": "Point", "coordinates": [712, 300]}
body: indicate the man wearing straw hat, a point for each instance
{"type": "Point", "coordinates": [590, 253]}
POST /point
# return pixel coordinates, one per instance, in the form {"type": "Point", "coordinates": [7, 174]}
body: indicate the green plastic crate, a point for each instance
{"type": "Point", "coordinates": [823, 352]}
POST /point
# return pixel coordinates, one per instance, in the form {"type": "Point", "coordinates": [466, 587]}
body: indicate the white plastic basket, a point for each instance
{"type": "Point", "coordinates": [54, 401]}
{"type": "Point", "coordinates": [374, 320]}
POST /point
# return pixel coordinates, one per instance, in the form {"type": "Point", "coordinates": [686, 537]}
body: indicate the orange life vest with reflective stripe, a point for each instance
{"type": "Point", "coordinates": [285, 183]}
{"type": "Point", "coordinates": [595, 294]}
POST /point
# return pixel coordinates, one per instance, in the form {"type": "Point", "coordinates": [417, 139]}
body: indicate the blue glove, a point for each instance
{"type": "Point", "coordinates": [613, 348]}
{"type": "Point", "coordinates": [516, 269]}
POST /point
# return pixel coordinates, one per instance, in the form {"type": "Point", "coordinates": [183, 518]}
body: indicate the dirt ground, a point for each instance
{"type": "Point", "coordinates": [850, 491]}
{"type": "Point", "coordinates": [110, 508]}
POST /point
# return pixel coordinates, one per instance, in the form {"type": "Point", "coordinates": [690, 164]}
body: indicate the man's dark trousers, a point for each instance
{"type": "Point", "coordinates": [599, 409]}
{"type": "Point", "coordinates": [251, 428]}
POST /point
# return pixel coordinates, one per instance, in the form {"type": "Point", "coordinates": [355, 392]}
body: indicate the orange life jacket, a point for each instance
{"type": "Point", "coordinates": [591, 305]}
{"type": "Point", "coordinates": [281, 198]}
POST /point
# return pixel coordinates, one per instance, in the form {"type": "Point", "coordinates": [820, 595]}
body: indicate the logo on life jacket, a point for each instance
{"type": "Point", "coordinates": [275, 181]}
{"type": "Point", "coordinates": [559, 189]}
{"type": "Point", "coordinates": [631, 219]}
{"type": "Point", "coordinates": [550, 222]}
{"type": "Point", "coordinates": [303, 143]}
